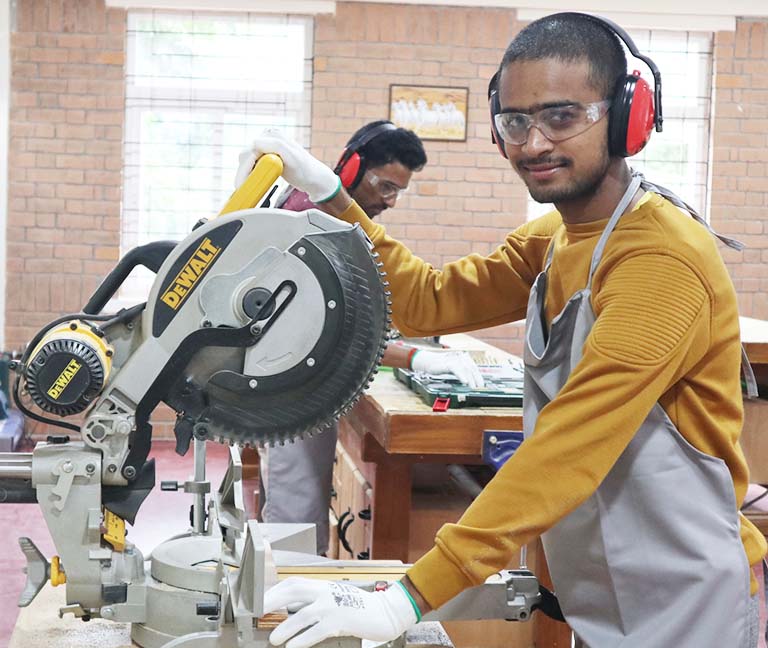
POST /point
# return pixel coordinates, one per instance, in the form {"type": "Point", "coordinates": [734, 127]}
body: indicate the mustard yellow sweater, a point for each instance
{"type": "Point", "coordinates": [667, 331]}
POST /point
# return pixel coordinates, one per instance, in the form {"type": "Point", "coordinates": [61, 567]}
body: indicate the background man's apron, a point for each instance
{"type": "Point", "coordinates": [653, 558]}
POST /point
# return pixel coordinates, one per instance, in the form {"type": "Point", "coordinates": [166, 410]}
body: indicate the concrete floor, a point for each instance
{"type": "Point", "coordinates": [162, 514]}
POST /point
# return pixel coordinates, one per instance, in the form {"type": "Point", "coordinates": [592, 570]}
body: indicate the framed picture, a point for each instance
{"type": "Point", "coordinates": [432, 112]}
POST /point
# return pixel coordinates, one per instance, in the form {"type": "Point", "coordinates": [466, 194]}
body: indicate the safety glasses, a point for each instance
{"type": "Point", "coordinates": [557, 123]}
{"type": "Point", "coordinates": [385, 189]}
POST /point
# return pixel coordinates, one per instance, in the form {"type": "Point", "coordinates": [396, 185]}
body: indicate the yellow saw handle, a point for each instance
{"type": "Point", "coordinates": [268, 168]}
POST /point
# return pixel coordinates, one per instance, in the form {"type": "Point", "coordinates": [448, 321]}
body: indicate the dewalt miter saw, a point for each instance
{"type": "Point", "coordinates": [261, 326]}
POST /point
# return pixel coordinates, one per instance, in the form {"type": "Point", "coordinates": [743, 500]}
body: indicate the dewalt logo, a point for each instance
{"type": "Point", "coordinates": [65, 377]}
{"type": "Point", "coordinates": [190, 274]}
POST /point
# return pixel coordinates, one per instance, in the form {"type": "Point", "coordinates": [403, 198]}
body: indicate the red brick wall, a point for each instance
{"type": "Point", "coordinates": [66, 132]}
{"type": "Point", "coordinates": [740, 168]}
{"type": "Point", "coordinates": [65, 158]}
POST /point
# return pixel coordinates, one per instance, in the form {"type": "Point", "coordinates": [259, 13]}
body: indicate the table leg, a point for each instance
{"type": "Point", "coordinates": [390, 523]}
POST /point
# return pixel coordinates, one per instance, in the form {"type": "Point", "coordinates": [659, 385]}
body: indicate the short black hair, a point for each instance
{"type": "Point", "coordinates": [572, 37]}
{"type": "Point", "coordinates": [398, 145]}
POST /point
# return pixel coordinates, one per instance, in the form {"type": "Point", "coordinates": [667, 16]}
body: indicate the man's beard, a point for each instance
{"type": "Point", "coordinates": [577, 189]}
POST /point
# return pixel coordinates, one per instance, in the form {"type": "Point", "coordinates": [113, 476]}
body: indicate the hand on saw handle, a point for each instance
{"type": "Point", "coordinates": [458, 363]}
{"type": "Point", "coordinates": [332, 609]}
{"type": "Point", "coordinates": [300, 168]}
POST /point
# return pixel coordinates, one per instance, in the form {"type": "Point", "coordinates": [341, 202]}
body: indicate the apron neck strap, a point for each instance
{"type": "Point", "coordinates": [681, 204]}
{"type": "Point", "coordinates": [621, 207]}
{"type": "Point", "coordinates": [617, 212]}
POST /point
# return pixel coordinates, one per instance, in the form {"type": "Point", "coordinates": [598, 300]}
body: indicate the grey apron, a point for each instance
{"type": "Point", "coordinates": [653, 558]}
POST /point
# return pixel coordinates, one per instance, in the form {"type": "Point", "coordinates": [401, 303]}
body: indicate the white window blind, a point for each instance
{"type": "Point", "coordinates": [199, 87]}
{"type": "Point", "coordinates": [678, 157]}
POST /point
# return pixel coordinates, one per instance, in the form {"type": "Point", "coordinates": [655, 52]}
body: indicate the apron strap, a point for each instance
{"type": "Point", "coordinates": [681, 204]}
{"type": "Point", "coordinates": [630, 192]}
{"type": "Point", "coordinates": [748, 375]}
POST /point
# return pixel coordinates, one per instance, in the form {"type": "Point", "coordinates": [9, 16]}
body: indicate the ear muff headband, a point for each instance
{"type": "Point", "coordinates": [351, 165]}
{"type": "Point", "coordinates": [635, 110]}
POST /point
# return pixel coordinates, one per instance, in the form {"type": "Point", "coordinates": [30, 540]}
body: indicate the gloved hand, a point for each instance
{"type": "Point", "coordinates": [300, 168]}
{"type": "Point", "coordinates": [331, 609]}
{"type": "Point", "coordinates": [459, 363]}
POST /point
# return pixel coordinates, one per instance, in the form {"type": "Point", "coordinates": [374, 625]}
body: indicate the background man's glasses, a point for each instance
{"type": "Point", "coordinates": [557, 123]}
{"type": "Point", "coordinates": [387, 190]}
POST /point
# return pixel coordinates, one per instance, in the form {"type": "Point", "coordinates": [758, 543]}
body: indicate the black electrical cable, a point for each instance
{"type": "Point", "coordinates": [37, 417]}
{"type": "Point", "coordinates": [60, 320]}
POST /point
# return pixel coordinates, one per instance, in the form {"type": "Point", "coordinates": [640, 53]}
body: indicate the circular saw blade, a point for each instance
{"type": "Point", "coordinates": [325, 382]}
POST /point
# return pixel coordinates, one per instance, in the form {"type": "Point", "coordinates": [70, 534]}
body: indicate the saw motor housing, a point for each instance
{"type": "Point", "coordinates": [69, 368]}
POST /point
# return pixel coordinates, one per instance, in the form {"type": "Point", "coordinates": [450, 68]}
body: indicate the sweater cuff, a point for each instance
{"type": "Point", "coordinates": [437, 577]}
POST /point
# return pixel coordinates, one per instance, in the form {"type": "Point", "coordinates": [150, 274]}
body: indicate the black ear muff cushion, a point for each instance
{"type": "Point", "coordinates": [494, 106]}
{"type": "Point", "coordinates": [618, 121]}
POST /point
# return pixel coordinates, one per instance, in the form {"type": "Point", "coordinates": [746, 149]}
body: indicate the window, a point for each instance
{"type": "Point", "coordinates": [678, 157]}
{"type": "Point", "coordinates": [199, 86]}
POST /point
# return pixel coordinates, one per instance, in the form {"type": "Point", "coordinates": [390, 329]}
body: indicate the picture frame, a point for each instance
{"type": "Point", "coordinates": [432, 112]}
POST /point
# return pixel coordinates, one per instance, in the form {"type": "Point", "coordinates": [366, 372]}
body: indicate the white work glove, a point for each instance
{"type": "Point", "coordinates": [300, 168]}
{"type": "Point", "coordinates": [459, 363]}
{"type": "Point", "coordinates": [332, 609]}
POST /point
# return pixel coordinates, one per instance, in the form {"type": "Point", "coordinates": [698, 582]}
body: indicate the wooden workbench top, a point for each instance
{"type": "Point", "coordinates": [404, 424]}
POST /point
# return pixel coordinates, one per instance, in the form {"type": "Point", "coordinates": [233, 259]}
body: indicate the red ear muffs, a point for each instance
{"type": "Point", "coordinates": [632, 116]}
{"type": "Point", "coordinates": [641, 117]}
{"type": "Point", "coordinates": [351, 166]}
{"type": "Point", "coordinates": [494, 105]}
{"type": "Point", "coordinates": [348, 168]}
{"type": "Point", "coordinates": [635, 109]}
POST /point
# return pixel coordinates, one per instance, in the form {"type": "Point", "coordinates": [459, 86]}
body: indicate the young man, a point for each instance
{"type": "Point", "coordinates": [631, 470]}
{"type": "Point", "coordinates": [375, 168]}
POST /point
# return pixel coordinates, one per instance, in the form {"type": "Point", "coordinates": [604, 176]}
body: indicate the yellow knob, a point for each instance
{"type": "Point", "coordinates": [58, 577]}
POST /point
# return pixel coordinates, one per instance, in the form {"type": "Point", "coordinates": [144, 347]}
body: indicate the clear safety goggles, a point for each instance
{"type": "Point", "coordinates": [557, 123]}
{"type": "Point", "coordinates": [385, 188]}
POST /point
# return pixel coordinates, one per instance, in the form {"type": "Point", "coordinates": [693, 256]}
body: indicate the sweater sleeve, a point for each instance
{"type": "Point", "coordinates": [471, 293]}
{"type": "Point", "coordinates": [652, 326]}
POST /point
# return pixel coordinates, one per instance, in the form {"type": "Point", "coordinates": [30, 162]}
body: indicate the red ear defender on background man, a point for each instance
{"type": "Point", "coordinates": [351, 165]}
